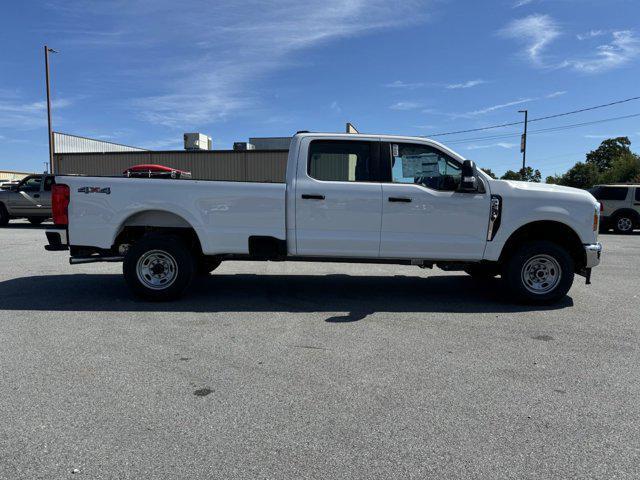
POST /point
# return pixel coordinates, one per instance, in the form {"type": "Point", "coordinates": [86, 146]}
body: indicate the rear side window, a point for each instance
{"type": "Point", "coordinates": [611, 193]}
{"type": "Point", "coordinates": [340, 161]}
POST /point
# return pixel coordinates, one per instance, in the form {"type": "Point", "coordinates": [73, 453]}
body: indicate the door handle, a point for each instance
{"type": "Point", "coordinates": [400, 199]}
{"type": "Point", "coordinates": [36, 195]}
{"type": "Point", "coordinates": [306, 196]}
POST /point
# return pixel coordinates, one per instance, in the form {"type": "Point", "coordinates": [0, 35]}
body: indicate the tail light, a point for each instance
{"type": "Point", "coordinates": [601, 207]}
{"type": "Point", "coordinates": [60, 203]}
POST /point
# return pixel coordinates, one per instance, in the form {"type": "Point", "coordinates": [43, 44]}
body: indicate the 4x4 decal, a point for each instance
{"type": "Point", "coordinates": [106, 190]}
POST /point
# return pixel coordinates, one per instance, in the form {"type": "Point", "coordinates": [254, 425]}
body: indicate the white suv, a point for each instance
{"type": "Point", "coordinates": [619, 207]}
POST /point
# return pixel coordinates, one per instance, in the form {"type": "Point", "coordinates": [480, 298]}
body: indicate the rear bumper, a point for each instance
{"type": "Point", "coordinates": [592, 251]}
{"type": "Point", "coordinates": [57, 238]}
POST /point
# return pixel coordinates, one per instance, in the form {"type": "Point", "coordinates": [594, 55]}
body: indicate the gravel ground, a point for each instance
{"type": "Point", "coordinates": [327, 371]}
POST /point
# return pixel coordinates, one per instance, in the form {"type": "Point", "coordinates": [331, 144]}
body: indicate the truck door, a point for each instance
{"type": "Point", "coordinates": [338, 203]}
{"type": "Point", "coordinates": [423, 214]}
{"type": "Point", "coordinates": [26, 200]}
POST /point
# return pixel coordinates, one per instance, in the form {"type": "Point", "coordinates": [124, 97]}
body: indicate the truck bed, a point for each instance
{"type": "Point", "coordinates": [223, 214]}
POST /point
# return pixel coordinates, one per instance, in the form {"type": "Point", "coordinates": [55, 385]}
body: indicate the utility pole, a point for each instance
{"type": "Point", "coordinates": [48, 50]}
{"type": "Point", "coordinates": [523, 141]}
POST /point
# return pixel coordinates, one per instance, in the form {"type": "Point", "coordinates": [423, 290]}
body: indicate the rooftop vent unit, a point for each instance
{"type": "Point", "coordinates": [197, 141]}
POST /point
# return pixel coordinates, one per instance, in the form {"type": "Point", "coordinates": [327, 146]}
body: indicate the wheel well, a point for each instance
{"type": "Point", "coordinates": [555, 232]}
{"type": "Point", "coordinates": [635, 216]}
{"type": "Point", "coordinates": [157, 222]}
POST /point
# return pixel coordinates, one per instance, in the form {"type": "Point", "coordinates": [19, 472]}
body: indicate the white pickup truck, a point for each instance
{"type": "Point", "coordinates": [347, 198]}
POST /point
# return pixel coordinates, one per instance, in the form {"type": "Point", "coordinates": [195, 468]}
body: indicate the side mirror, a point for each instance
{"type": "Point", "coordinates": [469, 181]}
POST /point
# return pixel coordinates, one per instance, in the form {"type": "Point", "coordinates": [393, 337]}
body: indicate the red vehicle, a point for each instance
{"type": "Point", "coordinates": [155, 171]}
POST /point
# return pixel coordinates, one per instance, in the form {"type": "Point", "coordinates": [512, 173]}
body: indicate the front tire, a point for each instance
{"type": "Point", "coordinates": [539, 272]}
{"type": "Point", "coordinates": [158, 268]}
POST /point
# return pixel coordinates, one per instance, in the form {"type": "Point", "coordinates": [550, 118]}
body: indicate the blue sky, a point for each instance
{"type": "Point", "coordinates": [142, 72]}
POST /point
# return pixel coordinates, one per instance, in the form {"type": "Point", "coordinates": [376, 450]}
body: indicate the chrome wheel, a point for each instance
{"type": "Point", "coordinates": [541, 274]}
{"type": "Point", "coordinates": [624, 224]}
{"type": "Point", "coordinates": [157, 269]}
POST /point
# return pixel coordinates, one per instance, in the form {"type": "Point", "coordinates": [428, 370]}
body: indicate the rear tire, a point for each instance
{"type": "Point", "coordinates": [623, 224]}
{"type": "Point", "coordinates": [36, 220]}
{"type": "Point", "coordinates": [158, 268]}
{"type": "Point", "coordinates": [538, 272]}
{"type": "Point", "coordinates": [4, 216]}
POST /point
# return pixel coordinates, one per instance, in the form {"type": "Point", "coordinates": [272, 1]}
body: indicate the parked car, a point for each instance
{"type": "Point", "coordinates": [30, 198]}
{"type": "Point", "coordinates": [620, 206]}
{"type": "Point", "coordinates": [155, 171]}
{"type": "Point", "coordinates": [347, 198]}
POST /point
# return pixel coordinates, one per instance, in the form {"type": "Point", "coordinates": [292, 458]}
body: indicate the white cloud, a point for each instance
{"type": "Point", "coordinates": [467, 84]}
{"type": "Point", "coordinates": [493, 145]}
{"type": "Point", "coordinates": [492, 108]}
{"type": "Point", "coordinates": [590, 34]}
{"type": "Point", "coordinates": [556, 94]}
{"type": "Point", "coordinates": [522, 3]}
{"type": "Point", "coordinates": [335, 107]}
{"type": "Point", "coordinates": [623, 48]}
{"type": "Point", "coordinates": [405, 106]}
{"type": "Point", "coordinates": [401, 84]}
{"type": "Point", "coordinates": [218, 53]}
{"type": "Point", "coordinates": [25, 116]}
{"type": "Point", "coordinates": [536, 32]}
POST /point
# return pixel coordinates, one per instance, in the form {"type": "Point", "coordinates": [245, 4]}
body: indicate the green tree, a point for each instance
{"type": "Point", "coordinates": [609, 150]}
{"type": "Point", "coordinates": [510, 175]}
{"type": "Point", "coordinates": [581, 175]}
{"type": "Point", "coordinates": [489, 172]}
{"type": "Point", "coordinates": [553, 179]}
{"type": "Point", "coordinates": [625, 168]}
{"type": "Point", "coordinates": [527, 174]}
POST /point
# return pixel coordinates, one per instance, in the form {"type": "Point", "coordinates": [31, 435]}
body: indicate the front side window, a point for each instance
{"type": "Point", "coordinates": [31, 184]}
{"type": "Point", "coordinates": [424, 165]}
{"type": "Point", "coordinates": [340, 161]}
{"type": "Point", "coordinates": [638, 194]}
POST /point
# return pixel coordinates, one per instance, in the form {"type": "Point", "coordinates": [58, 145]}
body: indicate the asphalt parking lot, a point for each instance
{"type": "Point", "coordinates": [293, 370]}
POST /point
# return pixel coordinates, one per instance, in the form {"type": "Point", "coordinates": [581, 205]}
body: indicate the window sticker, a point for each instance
{"type": "Point", "coordinates": [418, 166]}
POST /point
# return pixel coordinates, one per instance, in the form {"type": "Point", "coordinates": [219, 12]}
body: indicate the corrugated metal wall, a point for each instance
{"type": "Point", "coordinates": [65, 143]}
{"type": "Point", "coordinates": [248, 166]}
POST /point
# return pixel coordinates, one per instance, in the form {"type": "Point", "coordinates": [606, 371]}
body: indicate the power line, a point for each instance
{"type": "Point", "coordinates": [543, 130]}
{"type": "Point", "coordinates": [510, 124]}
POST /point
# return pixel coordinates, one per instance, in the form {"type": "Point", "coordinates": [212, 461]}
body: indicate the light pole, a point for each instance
{"type": "Point", "coordinates": [48, 50]}
{"type": "Point", "coordinates": [523, 140]}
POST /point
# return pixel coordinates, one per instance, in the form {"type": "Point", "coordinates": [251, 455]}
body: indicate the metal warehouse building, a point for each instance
{"type": "Point", "coordinates": [85, 156]}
